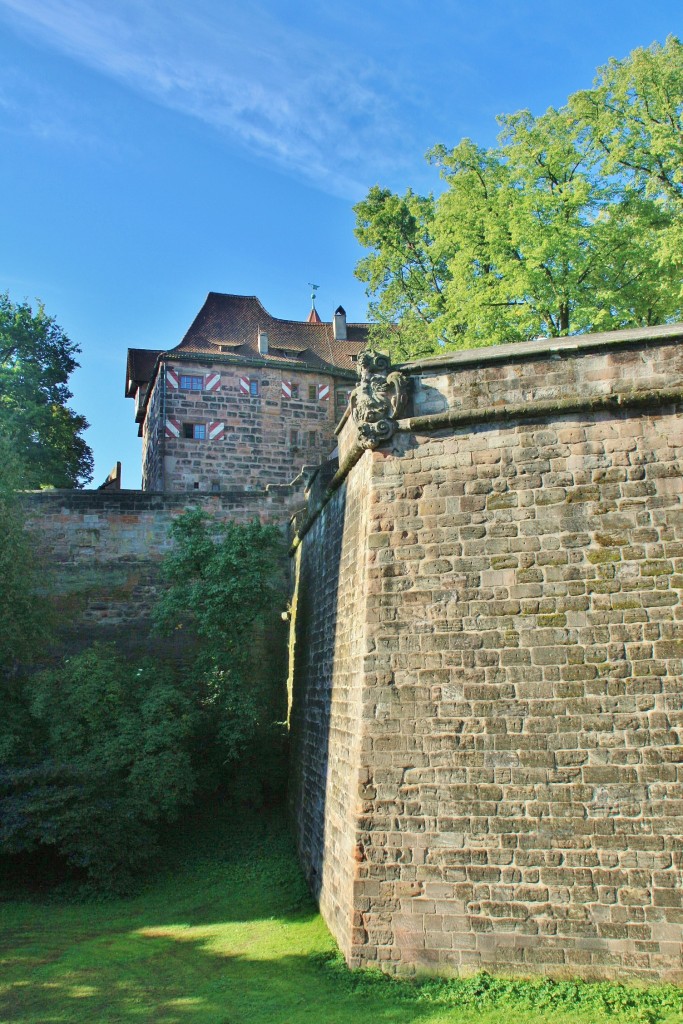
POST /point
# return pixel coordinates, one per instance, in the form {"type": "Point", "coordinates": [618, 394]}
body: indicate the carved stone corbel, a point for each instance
{"type": "Point", "coordinates": [378, 399]}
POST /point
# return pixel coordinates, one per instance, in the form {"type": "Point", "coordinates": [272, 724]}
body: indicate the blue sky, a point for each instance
{"type": "Point", "coordinates": [152, 152]}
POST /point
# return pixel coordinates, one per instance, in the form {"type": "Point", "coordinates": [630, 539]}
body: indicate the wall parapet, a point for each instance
{"type": "Point", "coordinates": [609, 396]}
{"type": "Point", "coordinates": [547, 348]}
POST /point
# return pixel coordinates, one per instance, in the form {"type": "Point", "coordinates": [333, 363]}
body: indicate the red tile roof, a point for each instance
{"type": "Point", "coordinates": [235, 321]}
{"type": "Point", "coordinates": [227, 327]}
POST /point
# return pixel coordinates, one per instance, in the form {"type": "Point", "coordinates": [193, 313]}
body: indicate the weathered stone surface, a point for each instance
{"type": "Point", "coordinates": [487, 688]}
{"type": "Point", "coordinates": [102, 550]}
{"type": "Point", "coordinates": [266, 437]}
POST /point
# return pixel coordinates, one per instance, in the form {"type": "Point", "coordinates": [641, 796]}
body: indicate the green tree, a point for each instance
{"type": "Point", "coordinates": [98, 751]}
{"type": "Point", "coordinates": [634, 115]}
{"type": "Point", "coordinates": [24, 618]}
{"type": "Point", "coordinates": [543, 235]}
{"type": "Point", "coordinates": [224, 583]}
{"type": "Point", "coordinates": [103, 758]}
{"type": "Point", "coordinates": [36, 361]}
{"type": "Point", "coordinates": [539, 242]}
{"type": "Point", "coordinates": [404, 273]}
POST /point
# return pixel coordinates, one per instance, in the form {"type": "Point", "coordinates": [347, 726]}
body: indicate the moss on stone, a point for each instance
{"type": "Point", "coordinates": [558, 619]}
{"type": "Point", "coordinates": [604, 555]}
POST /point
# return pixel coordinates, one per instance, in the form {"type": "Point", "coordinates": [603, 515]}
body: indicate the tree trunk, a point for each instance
{"type": "Point", "coordinates": [564, 318]}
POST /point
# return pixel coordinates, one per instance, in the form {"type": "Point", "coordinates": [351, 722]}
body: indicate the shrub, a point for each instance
{"type": "Point", "coordinates": [225, 584]}
{"type": "Point", "coordinates": [109, 760]}
{"type": "Point", "coordinates": [95, 754]}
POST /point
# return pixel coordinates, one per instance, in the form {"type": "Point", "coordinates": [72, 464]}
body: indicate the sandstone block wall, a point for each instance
{"type": "Point", "coordinates": [513, 787]}
{"type": "Point", "coordinates": [328, 648]}
{"type": "Point", "coordinates": [267, 437]}
{"type": "Point", "coordinates": [101, 551]}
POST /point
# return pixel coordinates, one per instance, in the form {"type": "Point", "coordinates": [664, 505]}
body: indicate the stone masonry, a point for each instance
{"type": "Point", "coordinates": [245, 399]}
{"type": "Point", "coordinates": [265, 437]}
{"type": "Point", "coordinates": [101, 551]}
{"type": "Point", "coordinates": [487, 691]}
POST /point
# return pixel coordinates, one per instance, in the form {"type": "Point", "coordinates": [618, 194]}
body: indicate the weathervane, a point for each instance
{"type": "Point", "coordinates": [315, 288]}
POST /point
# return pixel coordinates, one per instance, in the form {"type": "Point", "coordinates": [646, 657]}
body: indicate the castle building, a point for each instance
{"type": "Point", "coordinates": [245, 399]}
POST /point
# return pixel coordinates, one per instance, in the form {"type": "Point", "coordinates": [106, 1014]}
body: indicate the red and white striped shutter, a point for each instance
{"type": "Point", "coordinates": [286, 389]}
{"type": "Point", "coordinates": [323, 392]}
{"type": "Point", "coordinates": [244, 385]}
{"type": "Point", "coordinates": [212, 382]}
{"type": "Point", "coordinates": [172, 379]}
{"type": "Point", "coordinates": [172, 428]}
{"type": "Point", "coordinates": [216, 430]}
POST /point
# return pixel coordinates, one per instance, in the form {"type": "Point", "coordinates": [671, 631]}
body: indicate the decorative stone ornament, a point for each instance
{"type": "Point", "coordinates": [378, 399]}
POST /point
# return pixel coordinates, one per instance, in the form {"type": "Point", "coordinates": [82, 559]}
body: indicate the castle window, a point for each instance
{"type": "Point", "coordinates": [188, 383]}
{"type": "Point", "coordinates": [311, 439]}
{"type": "Point", "coordinates": [294, 438]}
{"type": "Point", "coordinates": [253, 388]}
{"type": "Point", "coordinates": [295, 390]}
{"type": "Point", "coordinates": [195, 431]}
{"type": "Point", "coordinates": [312, 392]}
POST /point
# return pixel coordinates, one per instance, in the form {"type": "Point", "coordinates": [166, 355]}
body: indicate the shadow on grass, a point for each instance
{"type": "Point", "coordinates": [177, 974]}
{"type": "Point", "coordinates": [226, 934]}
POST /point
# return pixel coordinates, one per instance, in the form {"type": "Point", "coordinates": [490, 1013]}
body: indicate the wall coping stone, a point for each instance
{"type": "Point", "coordinates": [140, 501]}
{"type": "Point", "coordinates": [545, 347]}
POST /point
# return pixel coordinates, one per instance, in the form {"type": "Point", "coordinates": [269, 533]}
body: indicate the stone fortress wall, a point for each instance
{"type": "Point", "coordinates": [487, 705]}
{"type": "Point", "coordinates": [100, 551]}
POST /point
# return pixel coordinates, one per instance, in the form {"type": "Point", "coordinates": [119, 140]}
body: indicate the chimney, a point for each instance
{"type": "Point", "coordinates": [339, 324]}
{"type": "Point", "coordinates": [262, 342]}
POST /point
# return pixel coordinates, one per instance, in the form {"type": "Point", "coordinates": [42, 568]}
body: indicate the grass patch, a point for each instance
{"type": "Point", "coordinates": [227, 934]}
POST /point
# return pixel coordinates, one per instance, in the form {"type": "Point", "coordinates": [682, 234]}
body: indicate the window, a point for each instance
{"type": "Point", "coordinates": [312, 392]}
{"type": "Point", "coordinates": [295, 390]}
{"type": "Point", "coordinates": [294, 438]}
{"type": "Point", "coordinates": [195, 431]}
{"type": "Point", "coordinates": [189, 383]}
{"type": "Point", "coordinates": [253, 388]}
{"type": "Point", "coordinates": [341, 398]}
{"type": "Point", "coordinates": [311, 439]}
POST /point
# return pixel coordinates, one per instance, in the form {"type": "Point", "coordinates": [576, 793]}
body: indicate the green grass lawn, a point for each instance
{"type": "Point", "coordinates": [226, 934]}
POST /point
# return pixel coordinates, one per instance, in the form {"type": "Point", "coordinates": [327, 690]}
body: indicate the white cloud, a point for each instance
{"type": "Point", "coordinates": [287, 95]}
{"type": "Point", "coordinates": [29, 107]}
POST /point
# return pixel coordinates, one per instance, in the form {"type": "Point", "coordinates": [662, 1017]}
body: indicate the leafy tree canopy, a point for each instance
{"type": "Point", "coordinates": [97, 751]}
{"type": "Point", "coordinates": [36, 361]}
{"type": "Point", "coordinates": [574, 222]}
{"type": "Point", "coordinates": [222, 580]}
{"type": "Point", "coordinates": [93, 757]}
{"type": "Point", "coordinates": [24, 616]}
